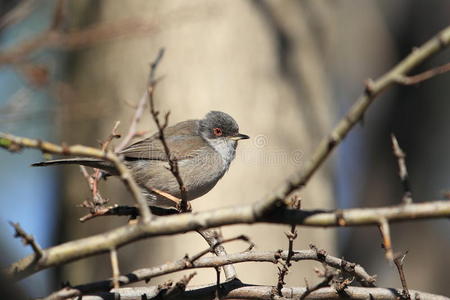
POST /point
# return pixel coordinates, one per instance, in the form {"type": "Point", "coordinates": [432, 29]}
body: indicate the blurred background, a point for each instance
{"type": "Point", "coordinates": [287, 71]}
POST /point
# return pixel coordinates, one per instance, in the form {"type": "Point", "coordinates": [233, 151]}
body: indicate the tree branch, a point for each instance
{"type": "Point", "coordinates": [356, 112]}
{"type": "Point", "coordinates": [238, 290]}
{"type": "Point", "coordinates": [218, 261]}
{"type": "Point", "coordinates": [14, 144]}
{"type": "Point", "coordinates": [243, 214]}
{"type": "Point", "coordinates": [402, 170]}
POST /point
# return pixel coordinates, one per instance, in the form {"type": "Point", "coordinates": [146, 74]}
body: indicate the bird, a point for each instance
{"type": "Point", "coordinates": [203, 150]}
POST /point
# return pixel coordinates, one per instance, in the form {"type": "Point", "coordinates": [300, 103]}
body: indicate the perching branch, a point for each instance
{"type": "Point", "coordinates": [14, 144]}
{"type": "Point", "coordinates": [243, 214]}
{"type": "Point", "coordinates": [291, 236]}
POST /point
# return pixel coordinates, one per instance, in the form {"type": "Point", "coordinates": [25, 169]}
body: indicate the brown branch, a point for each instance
{"type": "Point", "coordinates": [218, 261]}
{"type": "Point", "coordinates": [356, 112]}
{"type": "Point", "coordinates": [211, 248]}
{"type": "Point", "coordinates": [173, 163]}
{"type": "Point", "coordinates": [309, 290]}
{"type": "Point", "coordinates": [238, 290]}
{"type": "Point", "coordinates": [97, 205]}
{"type": "Point", "coordinates": [115, 268]}
{"type": "Point", "coordinates": [54, 39]}
{"type": "Point", "coordinates": [212, 237]}
{"type": "Point", "coordinates": [14, 144]}
{"type": "Point", "coordinates": [174, 291]}
{"type": "Point", "coordinates": [27, 240]}
{"type": "Point", "coordinates": [291, 236]}
{"type": "Point", "coordinates": [132, 131]}
{"type": "Point", "coordinates": [398, 260]}
{"type": "Point", "coordinates": [242, 214]}
{"type": "Point", "coordinates": [386, 236]}
{"type": "Point", "coordinates": [402, 170]}
{"type": "Point", "coordinates": [415, 79]}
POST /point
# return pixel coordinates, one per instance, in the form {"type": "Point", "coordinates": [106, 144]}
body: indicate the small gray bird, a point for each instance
{"type": "Point", "coordinates": [203, 149]}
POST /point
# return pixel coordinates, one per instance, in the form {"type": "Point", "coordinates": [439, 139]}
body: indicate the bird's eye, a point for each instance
{"type": "Point", "coordinates": [217, 131]}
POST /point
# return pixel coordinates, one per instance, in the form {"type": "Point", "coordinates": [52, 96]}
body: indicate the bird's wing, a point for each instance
{"type": "Point", "coordinates": [182, 140]}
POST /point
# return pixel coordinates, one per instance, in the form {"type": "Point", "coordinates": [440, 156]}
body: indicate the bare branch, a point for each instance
{"type": "Point", "coordinates": [212, 237]}
{"type": "Point", "coordinates": [218, 261]}
{"type": "Point", "coordinates": [27, 240]}
{"type": "Point", "coordinates": [14, 144]}
{"type": "Point", "coordinates": [173, 164]}
{"type": "Point", "coordinates": [386, 235]}
{"type": "Point", "coordinates": [18, 13]}
{"type": "Point", "coordinates": [242, 214]}
{"type": "Point", "coordinates": [291, 236]}
{"type": "Point", "coordinates": [415, 79]}
{"type": "Point", "coordinates": [356, 112]}
{"type": "Point", "coordinates": [115, 268]}
{"type": "Point", "coordinates": [192, 259]}
{"type": "Point", "coordinates": [398, 260]}
{"type": "Point", "coordinates": [402, 170]}
{"type": "Point", "coordinates": [238, 290]}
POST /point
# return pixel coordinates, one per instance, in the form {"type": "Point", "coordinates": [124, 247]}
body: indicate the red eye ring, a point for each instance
{"type": "Point", "coordinates": [217, 131]}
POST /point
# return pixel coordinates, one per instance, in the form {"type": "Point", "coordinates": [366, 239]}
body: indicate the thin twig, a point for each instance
{"type": "Point", "coordinates": [242, 214]}
{"type": "Point", "coordinates": [212, 237]}
{"type": "Point", "coordinates": [16, 14]}
{"type": "Point", "coordinates": [218, 296]}
{"type": "Point", "coordinates": [402, 170]}
{"type": "Point", "coordinates": [218, 261]}
{"type": "Point", "coordinates": [173, 163]}
{"type": "Point", "coordinates": [238, 290]}
{"type": "Point", "coordinates": [291, 236]}
{"type": "Point", "coordinates": [415, 79]}
{"type": "Point", "coordinates": [386, 236]}
{"type": "Point", "coordinates": [398, 260]}
{"type": "Point", "coordinates": [27, 240]}
{"type": "Point", "coordinates": [14, 144]}
{"type": "Point", "coordinates": [195, 257]}
{"type": "Point", "coordinates": [115, 268]}
{"type": "Point", "coordinates": [357, 111]}
{"type": "Point", "coordinates": [178, 288]}
{"type": "Point", "coordinates": [132, 131]}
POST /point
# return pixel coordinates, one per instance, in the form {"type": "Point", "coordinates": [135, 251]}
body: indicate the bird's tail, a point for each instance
{"type": "Point", "coordinates": [88, 162]}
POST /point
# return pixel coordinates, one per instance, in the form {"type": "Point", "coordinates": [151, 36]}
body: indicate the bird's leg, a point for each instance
{"type": "Point", "coordinates": [177, 201]}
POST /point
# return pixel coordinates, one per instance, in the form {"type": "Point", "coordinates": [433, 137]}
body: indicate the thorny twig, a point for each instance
{"type": "Point", "coordinates": [14, 144]}
{"type": "Point", "coordinates": [291, 236]}
{"type": "Point", "coordinates": [398, 260]}
{"type": "Point", "coordinates": [179, 287]}
{"type": "Point", "coordinates": [402, 170]}
{"type": "Point", "coordinates": [315, 254]}
{"type": "Point", "coordinates": [213, 237]}
{"type": "Point", "coordinates": [217, 283]}
{"type": "Point", "coordinates": [132, 131]}
{"type": "Point", "coordinates": [383, 226]}
{"type": "Point", "coordinates": [195, 257]}
{"type": "Point", "coordinates": [415, 79]}
{"type": "Point", "coordinates": [115, 268]}
{"type": "Point", "coordinates": [98, 202]}
{"type": "Point", "coordinates": [27, 240]}
{"type": "Point", "coordinates": [173, 163]}
{"type": "Point", "coordinates": [327, 278]}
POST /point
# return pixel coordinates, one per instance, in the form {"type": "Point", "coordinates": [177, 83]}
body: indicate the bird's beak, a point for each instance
{"type": "Point", "coordinates": [239, 136]}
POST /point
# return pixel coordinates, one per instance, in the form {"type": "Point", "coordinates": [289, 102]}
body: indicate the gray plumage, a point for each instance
{"type": "Point", "coordinates": [203, 149]}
